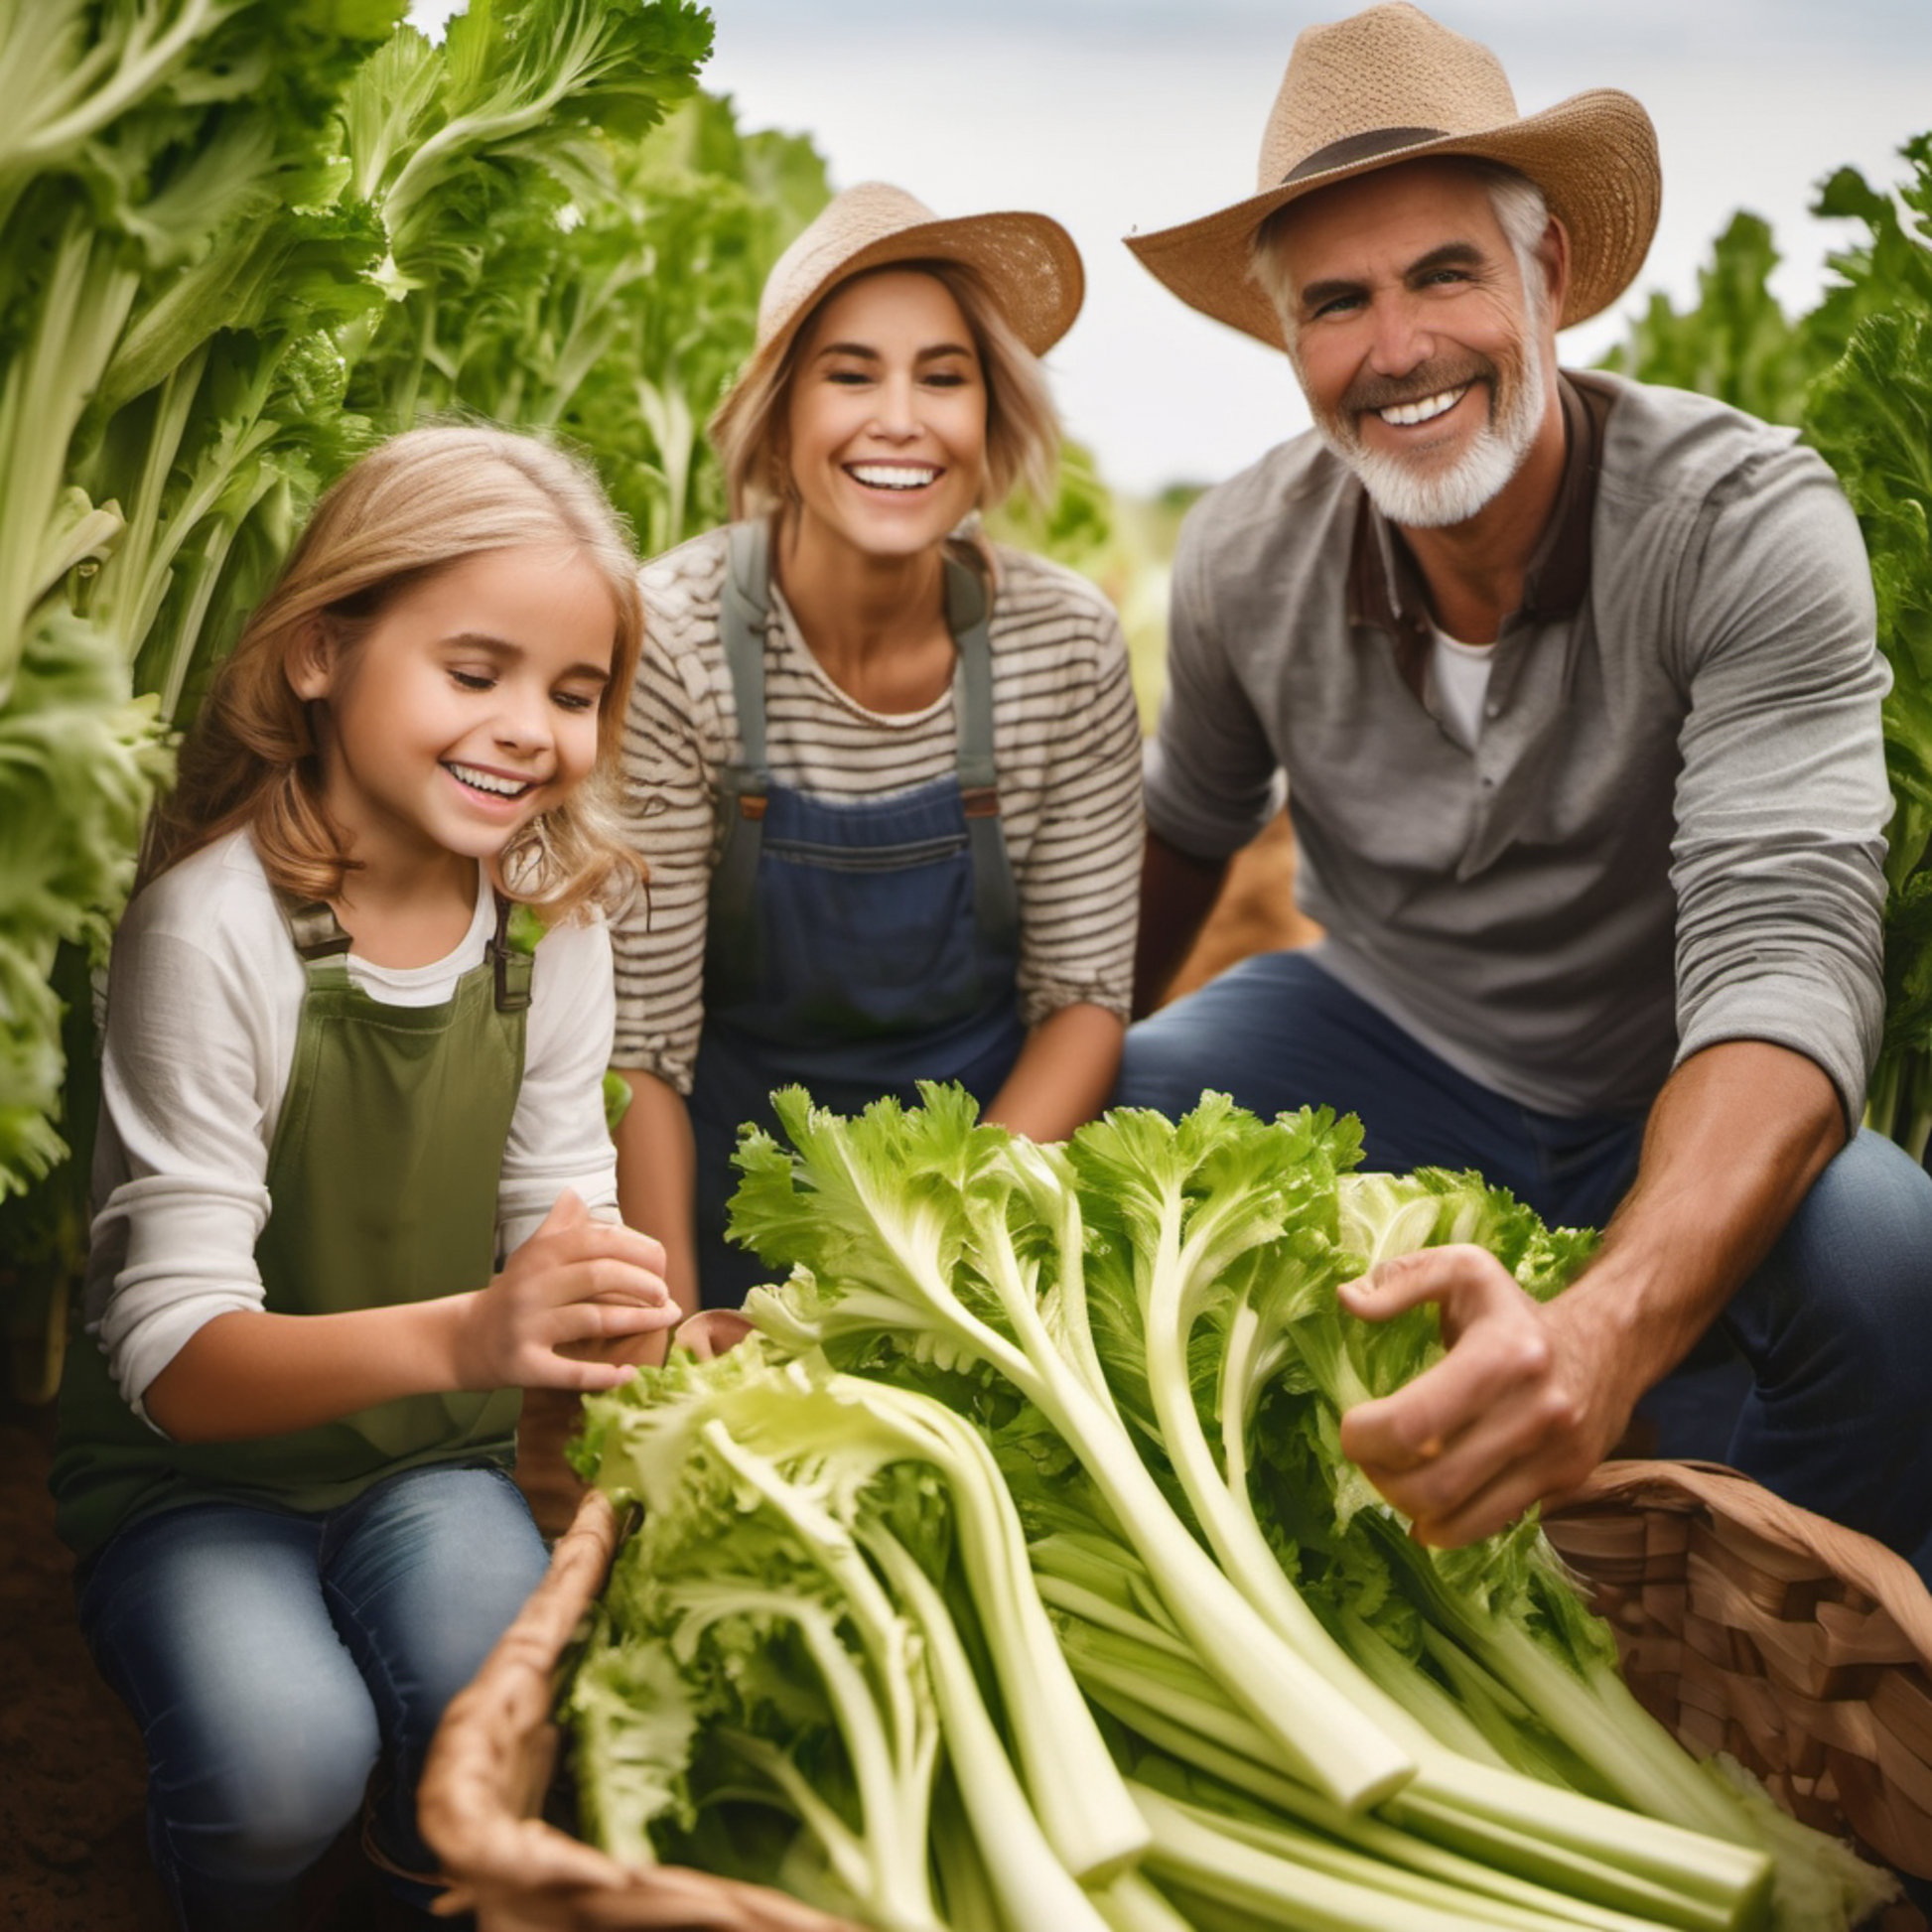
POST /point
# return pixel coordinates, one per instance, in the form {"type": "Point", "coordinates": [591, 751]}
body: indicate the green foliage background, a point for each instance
{"type": "Point", "coordinates": [1855, 376]}
{"type": "Point", "coordinates": [239, 241]}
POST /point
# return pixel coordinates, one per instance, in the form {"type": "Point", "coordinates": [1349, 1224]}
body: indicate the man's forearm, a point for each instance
{"type": "Point", "coordinates": [1733, 1141]}
{"type": "Point", "coordinates": [1177, 892]}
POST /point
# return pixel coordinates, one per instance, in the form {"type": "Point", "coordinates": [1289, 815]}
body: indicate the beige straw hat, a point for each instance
{"type": "Point", "coordinates": [1027, 261]}
{"type": "Point", "coordinates": [1390, 84]}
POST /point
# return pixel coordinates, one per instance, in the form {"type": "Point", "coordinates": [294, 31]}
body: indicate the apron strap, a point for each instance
{"type": "Point", "coordinates": [512, 957]}
{"type": "Point", "coordinates": [995, 902]}
{"type": "Point", "coordinates": [316, 936]}
{"type": "Point", "coordinates": [323, 946]}
{"type": "Point", "coordinates": [743, 609]}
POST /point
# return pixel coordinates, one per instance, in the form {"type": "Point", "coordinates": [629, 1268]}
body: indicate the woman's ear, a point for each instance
{"type": "Point", "coordinates": [312, 664]}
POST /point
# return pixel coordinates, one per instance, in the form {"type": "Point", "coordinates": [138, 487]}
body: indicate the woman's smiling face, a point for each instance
{"type": "Point", "coordinates": [885, 418]}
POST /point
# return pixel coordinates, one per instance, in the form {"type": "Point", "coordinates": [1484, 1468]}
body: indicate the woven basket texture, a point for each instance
{"type": "Point", "coordinates": [491, 1768]}
{"type": "Point", "coordinates": [1744, 1625]}
{"type": "Point", "coordinates": [1750, 1627]}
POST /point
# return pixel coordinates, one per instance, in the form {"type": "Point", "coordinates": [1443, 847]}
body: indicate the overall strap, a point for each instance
{"type": "Point", "coordinates": [995, 900]}
{"type": "Point", "coordinates": [323, 946]}
{"type": "Point", "coordinates": [743, 609]}
{"type": "Point", "coordinates": [743, 612]}
{"type": "Point", "coordinates": [513, 956]}
{"type": "Point", "coordinates": [316, 936]}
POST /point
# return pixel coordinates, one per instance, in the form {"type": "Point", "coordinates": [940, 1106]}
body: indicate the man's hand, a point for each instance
{"type": "Point", "coordinates": [1531, 1395]}
{"type": "Point", "coordinates": [1522, 1407]}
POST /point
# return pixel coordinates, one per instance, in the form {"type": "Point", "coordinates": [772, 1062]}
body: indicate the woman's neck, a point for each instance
{"type": "Point", "coordinates": [876, 626]}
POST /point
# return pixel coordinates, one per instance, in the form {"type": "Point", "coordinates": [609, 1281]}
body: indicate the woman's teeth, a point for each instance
{"type": "Point", "coordinates": [892, 476]}
{"type": "Point", "coordinates": [488, 782]}
{"type": "Point", "coordinates": [1404, 415]}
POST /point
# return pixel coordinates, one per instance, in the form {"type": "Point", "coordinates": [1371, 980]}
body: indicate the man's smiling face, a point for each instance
{"type": "Point", "coordinates": [1419, 345]}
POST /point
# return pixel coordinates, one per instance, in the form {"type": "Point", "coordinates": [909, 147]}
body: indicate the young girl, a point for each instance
{"type": "Point", "coordinates": [336, 1090]}
{"type": "Point", "coordinates": [893, 771]}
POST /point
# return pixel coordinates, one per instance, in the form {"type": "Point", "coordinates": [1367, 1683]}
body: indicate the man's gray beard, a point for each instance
{"type": "Point", "coordinates": [1453, 495]}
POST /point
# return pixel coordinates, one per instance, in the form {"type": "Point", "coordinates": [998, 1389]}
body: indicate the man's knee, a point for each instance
{"type": "Point", "coordinates": [1861, 1241]}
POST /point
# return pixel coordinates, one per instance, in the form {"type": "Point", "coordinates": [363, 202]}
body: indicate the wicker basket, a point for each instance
{"type": "Point", "coordinates": [1750, 1627]}
{"type": "Point", "coordinates": [491, 1768]}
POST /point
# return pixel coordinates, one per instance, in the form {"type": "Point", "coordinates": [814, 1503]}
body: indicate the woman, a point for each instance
{"type": "Point", "coordinates": [888, 774]}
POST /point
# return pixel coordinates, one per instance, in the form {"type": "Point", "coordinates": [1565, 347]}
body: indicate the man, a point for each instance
{"type": "Point", "coordinates": [1573, 687]}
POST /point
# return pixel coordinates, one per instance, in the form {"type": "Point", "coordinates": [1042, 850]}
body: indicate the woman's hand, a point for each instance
{"type": "Point", "coordinates": [576, 1282]}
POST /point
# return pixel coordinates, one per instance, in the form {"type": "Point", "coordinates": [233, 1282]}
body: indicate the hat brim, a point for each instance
{"type": "Point", "coordinates": [1027, 261]}
{"type": "Point", "coordinates": [1593, 156]}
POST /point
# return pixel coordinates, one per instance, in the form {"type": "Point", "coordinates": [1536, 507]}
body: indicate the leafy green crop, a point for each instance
{"type": "Point", "coordinates": [1129, 1348]}
{"type": "Point", "coordinates": [239, 240]}
{"type": "Point", "coordinates": [1855, 376]}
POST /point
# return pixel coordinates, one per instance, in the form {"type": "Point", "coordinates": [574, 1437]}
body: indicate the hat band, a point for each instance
{"type": "Point", "coordinates": [1361, 147]}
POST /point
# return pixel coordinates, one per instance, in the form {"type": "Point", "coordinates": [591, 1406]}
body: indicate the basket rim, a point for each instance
{"type": "Point", "coordinates": [1685, 1488]}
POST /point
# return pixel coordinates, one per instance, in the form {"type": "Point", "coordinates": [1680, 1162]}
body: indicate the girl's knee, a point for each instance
{"type": "Point", "coordinates": [260, 1818]}
{"type": "Point", "coordinates": [264, 1793]}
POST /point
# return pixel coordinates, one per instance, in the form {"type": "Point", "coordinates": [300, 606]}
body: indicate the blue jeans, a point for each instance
{"type": "Point", "coordinates": [1835, 1327]}
{"type": "Point", "coordinates": [272, 1659]}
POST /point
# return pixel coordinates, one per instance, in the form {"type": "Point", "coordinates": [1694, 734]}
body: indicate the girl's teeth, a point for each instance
{"type": "Point", "coordinates": [1404, 415]}
{"type": "Point", "coordinates": [883, 476]}
{"type": "Point", "coordinates": [489, 782]}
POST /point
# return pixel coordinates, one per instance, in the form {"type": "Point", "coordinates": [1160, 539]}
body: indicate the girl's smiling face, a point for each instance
{"type": "Point", "coordinates": [468, 706]}
{"type": "Point", "coordinates": [885, 420]}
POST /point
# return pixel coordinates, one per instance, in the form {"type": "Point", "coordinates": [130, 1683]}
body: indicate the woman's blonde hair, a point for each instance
{"type": "Point", "coordinates": [412, 507]}
{"type": "Point", "coordinates": [1023, 431]}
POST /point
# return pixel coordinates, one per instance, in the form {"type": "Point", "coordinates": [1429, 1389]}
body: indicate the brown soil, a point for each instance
{"type": "Point", "coordinates": [73, 1852]}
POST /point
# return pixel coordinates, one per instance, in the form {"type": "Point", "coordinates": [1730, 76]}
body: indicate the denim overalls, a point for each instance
{"type": "Point", "coordinates": [853, 947]}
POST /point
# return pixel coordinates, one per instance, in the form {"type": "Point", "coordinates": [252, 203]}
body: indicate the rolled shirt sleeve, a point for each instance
{"type": "Point", "coordinates": [1782, 801]}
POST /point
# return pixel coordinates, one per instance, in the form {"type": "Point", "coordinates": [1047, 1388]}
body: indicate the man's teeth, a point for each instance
{"type": "Point", "coordinates": [1404, 415]}
{"type": "Point", "coordinates": [491, 782]}
{"type": "Point", "coordinates": [894, 476]}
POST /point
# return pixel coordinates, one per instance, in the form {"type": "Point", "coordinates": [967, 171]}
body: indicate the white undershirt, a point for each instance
{"type": "Point", "coordinates": [1458, 678]}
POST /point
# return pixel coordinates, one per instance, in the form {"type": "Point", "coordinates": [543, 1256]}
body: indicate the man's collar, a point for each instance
{"type": "Point", "coordinates": [1385, 588]}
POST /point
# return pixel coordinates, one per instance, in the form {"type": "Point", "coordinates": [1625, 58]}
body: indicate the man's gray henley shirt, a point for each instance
{"type": "Point", "coordinates": [1670, 832]}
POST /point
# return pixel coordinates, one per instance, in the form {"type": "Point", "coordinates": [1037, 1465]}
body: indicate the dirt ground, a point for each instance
{"type": "Point", "coordinates": [73, 1857]}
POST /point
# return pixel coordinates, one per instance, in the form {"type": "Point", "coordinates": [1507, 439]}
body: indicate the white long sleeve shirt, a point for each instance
{"type": "Point", "coordinates": [205, 993]}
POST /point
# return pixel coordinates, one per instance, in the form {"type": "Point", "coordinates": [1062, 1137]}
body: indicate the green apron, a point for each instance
{"type": "Point", "coordinates": [382, 1184]}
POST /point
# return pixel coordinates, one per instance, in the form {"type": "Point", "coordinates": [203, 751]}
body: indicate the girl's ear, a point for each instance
{"type": "Point", "coordinates": [312, 664]}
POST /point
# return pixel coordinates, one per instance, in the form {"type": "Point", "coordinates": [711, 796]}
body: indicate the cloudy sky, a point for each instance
{"type": "Point", "coordinates": [1118, 114]}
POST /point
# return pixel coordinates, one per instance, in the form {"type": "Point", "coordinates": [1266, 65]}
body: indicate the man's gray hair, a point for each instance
{"type": "Point", "coordinates": [1520, 210]}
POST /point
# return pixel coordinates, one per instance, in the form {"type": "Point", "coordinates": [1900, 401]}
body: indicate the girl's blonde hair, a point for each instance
{"type": "Point", "coordinates": [412, 507]}
{"type": "Point", "coordinates": [1023, 432]}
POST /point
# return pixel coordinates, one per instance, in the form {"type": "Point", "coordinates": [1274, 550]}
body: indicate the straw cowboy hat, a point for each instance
{"type": "Point", "coordinates": [1390, 84]}
{"type": "Point", "coordinates": [1027, 261]}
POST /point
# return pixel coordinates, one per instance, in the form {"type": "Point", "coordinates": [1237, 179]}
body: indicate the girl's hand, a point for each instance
{"type": "Point", "coordinates": [575, 1282]}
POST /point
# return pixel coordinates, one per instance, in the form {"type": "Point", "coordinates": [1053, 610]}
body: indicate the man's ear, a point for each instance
{"type": "Point", "coordinates": [312, 664]}
{"type": "Point", "coordinates": [1552, 252]}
